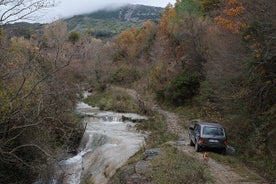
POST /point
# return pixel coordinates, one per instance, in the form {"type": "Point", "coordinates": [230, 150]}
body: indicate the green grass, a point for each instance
{"type": "Point", "coordinates": [170, 167]}
{"type": "Point", "coordinates": [173, 167]}
{"type": "Point", "coordinates": [236, 165]}
{"type": "Point", "coordinates": [113, 99]}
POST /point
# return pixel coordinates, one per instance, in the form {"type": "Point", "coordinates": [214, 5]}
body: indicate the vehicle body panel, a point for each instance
{"type": "Point", "coordinates": [206, 135]}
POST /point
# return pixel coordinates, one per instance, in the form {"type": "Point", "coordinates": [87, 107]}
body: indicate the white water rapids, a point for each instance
{"type": "Point", "coordinates": [107, 144]}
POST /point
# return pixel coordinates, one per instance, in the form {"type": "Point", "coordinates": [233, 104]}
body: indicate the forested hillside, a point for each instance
{"type": "Point", "coordinates": [217, 58]}
{"type": "Point", "coordinates": [208, 59]}
{"type": "Point", "coordinates": [109, 22]}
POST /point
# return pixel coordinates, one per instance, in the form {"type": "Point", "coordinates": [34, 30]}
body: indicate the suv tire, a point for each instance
{"type": "Point", "coordinates": [197, 147]}
{"type": "Point", "coordinates": [191, 143]}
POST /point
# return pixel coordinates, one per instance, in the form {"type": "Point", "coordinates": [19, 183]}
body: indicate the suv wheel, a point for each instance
{"type": "Point", "coordinates": [197, 147]}
{"type": "Point", "coordinates": [191, 143]}
{"type": "Point", "coordinates": [223, 152]}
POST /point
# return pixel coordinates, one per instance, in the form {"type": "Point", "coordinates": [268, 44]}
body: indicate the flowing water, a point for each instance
{"type": "Point", "coordinates": [107, 144]}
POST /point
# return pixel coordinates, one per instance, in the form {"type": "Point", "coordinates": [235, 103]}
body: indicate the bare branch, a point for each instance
{"type": "Point", "coordinates": [14, 156]}
{"type": "Point", "coordinates": [31, 145]}
{"type": "Point", "coordinates": [19, 89]}
{"type": "Point", "coordinates": [13, 138]}
{"type": "Point", "coordinates": [47, 76]}
{"type": "Point", "coordinates": [12, 11]}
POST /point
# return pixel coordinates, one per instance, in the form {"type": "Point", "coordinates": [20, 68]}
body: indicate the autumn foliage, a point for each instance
{"type": "Point", "coordinates": [228, 45]}
{"type": "Point", "coordinates": [36, 101]}
{"type": "Point", "coordinates": [231, 17]}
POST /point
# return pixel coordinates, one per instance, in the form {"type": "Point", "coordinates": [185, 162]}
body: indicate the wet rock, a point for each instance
{"type": "Point", "coordinates": [142, 167]}
{"type": "Point", "coordinates": [151, 153]}
{"type": "Point", "coordinates": [230, 150]}
{"type": "Point", "coordinates": [181, 143]}
{"type": "Point", "coordinates": [136, 179]}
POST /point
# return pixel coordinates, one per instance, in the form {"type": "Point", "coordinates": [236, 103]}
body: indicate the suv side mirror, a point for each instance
{"type": "Point", "coordinates": [191, 128]}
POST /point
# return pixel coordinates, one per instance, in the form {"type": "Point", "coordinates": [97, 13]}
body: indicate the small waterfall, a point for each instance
{"type": "Point", "coordinates": [107, 144]}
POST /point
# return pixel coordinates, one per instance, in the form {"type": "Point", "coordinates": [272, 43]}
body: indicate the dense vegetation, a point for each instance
{"type": "Point", "coordinates": [213, 57]}
{"type": "Point", "coordinates": [217, 57]}
{"type": "Point", "coordinates": [37, 97]}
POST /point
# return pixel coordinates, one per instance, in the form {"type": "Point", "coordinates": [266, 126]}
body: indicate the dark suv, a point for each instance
{"type": "Point", "coordinates": [204, 135]}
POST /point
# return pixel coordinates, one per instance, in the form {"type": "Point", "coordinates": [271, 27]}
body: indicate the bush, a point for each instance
{"type": "Point", "coordinates": [125, 76]}
{"type": "Point", "coordinates": [206, 92]}
{"type": "Point", "coordinates": [74, 37]}
{"type": "Point", "coordinates": [182, 88]}
{"type": "Point", "coordinates": [113, 99]}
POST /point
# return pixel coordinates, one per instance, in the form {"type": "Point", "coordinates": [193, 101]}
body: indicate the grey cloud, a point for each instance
{"type": "Point", "coordinates": [67, 8]}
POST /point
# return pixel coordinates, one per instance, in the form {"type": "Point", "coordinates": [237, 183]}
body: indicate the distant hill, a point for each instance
{"type": "Point", "coordinates": [116, 20]}
{"type": "Point", "coordinates": [24, 29]}
{"type": "Point", "coordinates": [102, 23]}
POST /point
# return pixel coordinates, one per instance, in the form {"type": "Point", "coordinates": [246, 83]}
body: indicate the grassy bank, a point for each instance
{"type": "Point", "coordinates": [113, 99]}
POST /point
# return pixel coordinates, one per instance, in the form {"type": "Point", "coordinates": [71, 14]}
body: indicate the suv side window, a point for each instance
{"type": "Point", "coordinates": [197, 129]}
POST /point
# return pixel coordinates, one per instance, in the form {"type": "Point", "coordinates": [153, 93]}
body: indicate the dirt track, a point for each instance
{"type": "Point", "coordinates": [221, 173]}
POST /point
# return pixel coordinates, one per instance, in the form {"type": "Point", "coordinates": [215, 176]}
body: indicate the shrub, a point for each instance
{"type": "Point", "coordinates": [125, 76]}
{"type": "Point", "coordinates": [183, 87]}
{"type": "Point", "coordinates": [74, 37]}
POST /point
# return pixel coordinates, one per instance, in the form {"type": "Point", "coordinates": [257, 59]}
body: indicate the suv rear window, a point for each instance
{"type": "Point", "coordinates": [216, 131]}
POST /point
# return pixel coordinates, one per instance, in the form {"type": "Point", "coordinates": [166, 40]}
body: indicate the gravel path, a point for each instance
{"type": "Point", "coordinates": [221, 173]}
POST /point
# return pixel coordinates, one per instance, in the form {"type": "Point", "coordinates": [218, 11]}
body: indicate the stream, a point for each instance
{"type": "Point", "coordinates": [108, 142]}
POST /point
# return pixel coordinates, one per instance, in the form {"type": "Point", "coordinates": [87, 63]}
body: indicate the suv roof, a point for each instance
{"type": "Point", "coordinates": [209, 124]}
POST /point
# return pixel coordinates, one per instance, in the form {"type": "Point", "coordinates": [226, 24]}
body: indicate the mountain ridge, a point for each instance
{"type": "Point", "coordinates": [126, 16]}
{"type": "Point", "coordinates": [101, 23]}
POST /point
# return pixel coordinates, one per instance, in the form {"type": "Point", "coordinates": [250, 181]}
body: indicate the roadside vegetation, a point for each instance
{"type": "Point", "coordinates": [171, 166]}
{"type": "Point", "coordinates": [174, 166]}
{"type": "Point", "coordinates": [116, 100]}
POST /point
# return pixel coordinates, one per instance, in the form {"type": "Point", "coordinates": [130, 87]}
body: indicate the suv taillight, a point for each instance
{"type": "Point", "coordinates": [201, 140]}
{"type": "Point", "coordinates": [225, 142]}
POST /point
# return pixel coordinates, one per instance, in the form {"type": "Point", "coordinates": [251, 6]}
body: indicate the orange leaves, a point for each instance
{"type": "Point", "coordinates": [148, 25]}
{"type": "Point", "coordinates": [126, 38]}
{"type": "Point", "coordinates": [207, 5]}
{"type": "Point", "coordinates": [228, 24]}
{"type": "Point", "coordinates": [165, 22]}
{"type": "Point", "coordinates": [233, 12]}
{"type": "Point", "coordinates": [232, 2]}
{"type": "Point", "coordinates": [126, 41]}
{"type": "Point", "coordinates": [231, 18]}
{"type": "Point", "coordinates": [131, 43]}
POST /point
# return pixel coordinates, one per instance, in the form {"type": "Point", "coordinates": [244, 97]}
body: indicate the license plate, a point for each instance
{"type": "Point", "coordinates": [213, 141]}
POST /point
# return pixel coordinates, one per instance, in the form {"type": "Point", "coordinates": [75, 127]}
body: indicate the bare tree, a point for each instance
{"type": "Point", "coordinates": [15, 10]}
{"type": "Point", "coordinates": [36, 97]}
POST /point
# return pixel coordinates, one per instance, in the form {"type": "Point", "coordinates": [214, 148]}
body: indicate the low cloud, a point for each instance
{"type": "Point", "coordinates": [68, 8]}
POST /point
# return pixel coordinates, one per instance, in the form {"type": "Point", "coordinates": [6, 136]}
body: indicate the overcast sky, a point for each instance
{"type": "Point", "coordinates": [67, 8]}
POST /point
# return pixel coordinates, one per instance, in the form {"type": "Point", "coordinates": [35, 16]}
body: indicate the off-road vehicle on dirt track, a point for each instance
{"type": "Point", "coordinates": [204, 135]}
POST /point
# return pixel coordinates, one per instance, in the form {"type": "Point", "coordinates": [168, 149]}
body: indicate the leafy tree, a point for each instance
{"type": "Point", "coordinates": [190, 7]}
{"type": "Point", "coordinates": [133, 42]}
{"type": "Point", "coordinates": [231, 16]}
{"type": "Point", "coordinates": [74, 37]}
{"type": "Point", "coordinates": [168, 17]}
{"type": "Point", "coordinates": [35, 114]}
{"type": "Point", "coordinates": [207, 5]}
{"type": "Point", "coordinates": [182, 88]}
{"type": "Point", "coordinates": [126, 41]}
